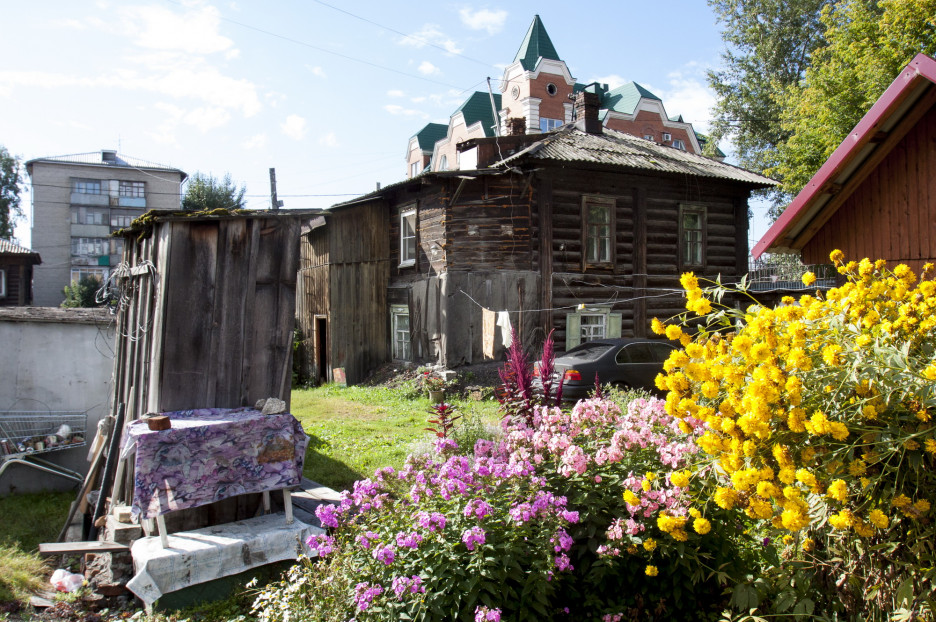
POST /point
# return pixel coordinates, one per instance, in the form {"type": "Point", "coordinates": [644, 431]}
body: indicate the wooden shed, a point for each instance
{"type": "Point", "coordinates": [16, 270]}
{"type": "Point", "coordinates": [875, 196]}
{"type": "Point", "coordinates": [582, 231]}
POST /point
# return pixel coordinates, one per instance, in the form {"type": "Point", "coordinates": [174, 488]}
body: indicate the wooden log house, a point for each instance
{"type": "Point", "coordinates": [583, 230]}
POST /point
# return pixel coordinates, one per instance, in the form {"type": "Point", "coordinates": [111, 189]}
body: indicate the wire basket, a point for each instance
{"type": "Point", "coordinates": [27, 433]}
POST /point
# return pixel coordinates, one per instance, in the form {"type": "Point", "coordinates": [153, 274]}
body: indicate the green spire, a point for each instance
{"type": "Point", "coordinates": [536, 45]}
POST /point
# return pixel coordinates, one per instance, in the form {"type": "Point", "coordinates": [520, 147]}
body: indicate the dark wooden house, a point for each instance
{"type": "Point", "coordinates": [583, 231]}
{"type": "Point", "coordinates": [16, 268]}
{"type": "Point", "coordinates": [875, 196]}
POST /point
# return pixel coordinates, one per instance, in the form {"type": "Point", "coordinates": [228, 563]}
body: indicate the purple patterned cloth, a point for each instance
{"type": "Point", "coordinates": [212, 454]}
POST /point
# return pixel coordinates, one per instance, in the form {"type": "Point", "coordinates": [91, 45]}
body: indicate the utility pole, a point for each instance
{"type": "Point", "coordinates": [273, 201]}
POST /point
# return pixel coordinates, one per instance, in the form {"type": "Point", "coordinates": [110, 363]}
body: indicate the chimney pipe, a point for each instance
{"type": "Point", "coordinates": [586, 112]}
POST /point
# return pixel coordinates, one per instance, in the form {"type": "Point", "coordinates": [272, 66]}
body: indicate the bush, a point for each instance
{"type": "Point", "coordinates": [819, 427]}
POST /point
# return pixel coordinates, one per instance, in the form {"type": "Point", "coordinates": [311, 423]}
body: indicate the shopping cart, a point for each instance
{"type": "Point", "coordinates": [25, 436]}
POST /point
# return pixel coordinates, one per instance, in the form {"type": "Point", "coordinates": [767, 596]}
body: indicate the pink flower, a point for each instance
{"type": "Point", "coordinates": [473, 536]}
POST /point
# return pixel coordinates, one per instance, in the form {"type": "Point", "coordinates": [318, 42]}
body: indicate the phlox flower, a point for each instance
{"type": "Point", "coordinates": [322, 544]}
{"type": "Point", "coordinates": [365, 593]}
{"type": "Point", "coordinates": [472, 537]}
{"type": "Point", "coordinates": [384, 554]}
{"type": "Point", "coordinates": [484, 614]}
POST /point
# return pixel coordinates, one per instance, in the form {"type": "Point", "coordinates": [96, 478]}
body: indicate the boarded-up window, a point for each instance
{"type": "Point", "coordinates": [408, 237]}
{"type": "Point", "coordinates": [598, 217]}
{"type": "Point", "coordinates": [400, 332]}
{"type": "Point", "coordinates": [692, 236]}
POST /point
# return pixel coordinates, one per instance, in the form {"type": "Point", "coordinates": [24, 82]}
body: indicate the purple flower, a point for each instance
{"type": "Point", "coordinates": [365, 593]}
{"type": "Point", "coordinates": [321, 545]}
{"type": "Point", "coordinates": [473, 536]}
{"type": "Point", "coordinates": [327, 514]}
{"type": "Point", "coordinates": [408, 540]}
{"type": "Point", "coordinates": [562, 562]}
{"type": "Point", "coordinates": [477, 507]}
{"type": "Point", "coordinates": [384, 554]}
{"type": "Point", "coordinates": [483, 614]}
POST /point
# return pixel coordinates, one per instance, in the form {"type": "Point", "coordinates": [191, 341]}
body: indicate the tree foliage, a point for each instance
{"type": "Point", "coordinates": [867, 45]}
{"type": "Point", "coordinates": [207, 192]}
{"type": "Point", "coordinates": [10, 210]}
{"type": "Point", "coordinates": [82, 293]}
{"type": "Point", "coordinates": [769, 44]}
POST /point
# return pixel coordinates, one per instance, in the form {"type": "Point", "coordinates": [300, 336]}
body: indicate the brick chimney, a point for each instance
{"type": "Point", "coordinates": [586, 112]}
{"type": "Point", "coordinates": [516, 126]}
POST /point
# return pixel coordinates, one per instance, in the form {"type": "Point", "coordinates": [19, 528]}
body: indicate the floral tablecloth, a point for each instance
{"type": "Point", "coordinates": [212, 454]}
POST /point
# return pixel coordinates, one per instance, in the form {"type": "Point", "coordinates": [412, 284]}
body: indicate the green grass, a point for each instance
{"type": "Point", "coordinates": [355, 430]}
{"type": "Point", "coordinates": [28, 520]}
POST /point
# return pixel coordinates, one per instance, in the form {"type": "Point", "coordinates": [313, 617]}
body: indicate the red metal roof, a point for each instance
{"type": "Point", "coordinates": [847, 160]}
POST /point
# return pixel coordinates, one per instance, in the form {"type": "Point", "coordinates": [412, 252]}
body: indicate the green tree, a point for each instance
{"type": "Point", "coordinates": [82, 293]}
{"type": "Point", "coordinates": [9, 193]}
{"type": "Point", "coordinates": [769, 44]}
{"type": "Point", "coordinates": [867, 45]}
{"type": "Point", "coordinates": [206, 192]}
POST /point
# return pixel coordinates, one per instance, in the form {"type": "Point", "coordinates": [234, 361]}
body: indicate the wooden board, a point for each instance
{"type": "Point", "coordinates": [79, 548]}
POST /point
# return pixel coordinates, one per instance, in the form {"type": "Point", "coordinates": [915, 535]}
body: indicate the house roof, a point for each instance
{"type": "Point", "coordinates": [9, 248]}
{"type": "Point", "coordinates": [478, 108]}
{"type": "Point", "coordinates": [536, 44]}
{"type": "Point", "coordinates": [624, 99]}
{"type": "Point", "coordinates": [104, 157]}
{"type": "Point", "coordinates": [428, 136]}
{"type": "Point", "coordinates": [849, 164]}
{"type": "Point", "coordinates": [613, 148]}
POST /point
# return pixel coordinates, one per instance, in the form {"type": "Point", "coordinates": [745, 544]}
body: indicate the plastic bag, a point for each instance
{"type": "Point", "coordinates": [65, 581]}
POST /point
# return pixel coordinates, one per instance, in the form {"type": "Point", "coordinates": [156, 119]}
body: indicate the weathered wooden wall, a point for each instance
{"type": "Point", "coordinates": [210, 316]}
{"type": "Point", "coordinates": [312, 299]}
{"type": "Point", "coordinates": [19, 271]}
{"type": "Point", "coordinates": [892, 214]}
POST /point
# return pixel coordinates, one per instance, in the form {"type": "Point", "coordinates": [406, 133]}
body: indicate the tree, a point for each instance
{"type": "Point", "coordinates": [769, 44]}
{"type": "Point", "coordinates": [206, 192]}
{"type": "Point", "coordinates": [867, 45]}
{"type": "Point", "coordinates": [10, 210]}
{"type": "Point", "coordinates": [82, 293]}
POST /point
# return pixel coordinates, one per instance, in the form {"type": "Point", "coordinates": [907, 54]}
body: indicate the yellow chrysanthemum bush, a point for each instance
{"type": "Point", "coordinates": [819, 418]}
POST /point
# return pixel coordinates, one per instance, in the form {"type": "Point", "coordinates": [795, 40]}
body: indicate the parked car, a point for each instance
{"type": "Point", "coordinates": [625, 363]}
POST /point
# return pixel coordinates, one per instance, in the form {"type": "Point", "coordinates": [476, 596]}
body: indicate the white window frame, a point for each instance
{"type": "Point", "coordinates": [134, 189]}
{"type": "Point", "coordinates": [90, 247]}
{"type": "Point", "coordinates": [678, 143]}
{"type": "Point", "coordinates": [443, 163]}
{"type": "Point", "coordinates": [87, 186]}
{"type": "Point", "coordinates": [593, 330]}
{"type": "Point", "coordinates": [547, 125]}
{"type": "Point", "coordinates": [648, 137]}
{"type": "Point", "coordinates": [577, 334]}
{"type": "Point", "coordinates": [400, 341]}
{"type": "Point", "coordinates": [98, 273]}
{"type": "Point", "coordinates": [667, 137]}
{"type": "Point", "coordinates": [692, 240]}
{"type": "Point", "coordinates": [3, 285]}
{"type": "Point", "coordinates": [414, 169]}
{"type": "Point", "coordinates": [121, 221]}
{"type": "Point", "coordinates": [405, 258]}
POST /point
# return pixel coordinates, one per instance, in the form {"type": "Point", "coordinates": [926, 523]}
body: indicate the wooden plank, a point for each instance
{"type": "Point", "coordinates": [640, 262]}
{"type": "Point", "coordinates": [229, 330]}
{"type": "Point", "coordinates": [78, 548]}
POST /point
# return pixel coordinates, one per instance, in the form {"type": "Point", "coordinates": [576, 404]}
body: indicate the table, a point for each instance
{"type": "Point", "coordinates": [211, 454]}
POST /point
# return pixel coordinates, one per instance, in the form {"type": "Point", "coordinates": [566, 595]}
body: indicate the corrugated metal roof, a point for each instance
{"type": "Point", "coordinates": [612, 148]}
{"type": "Point", "coordinates": [478, 108]}
{"type": "Point", "coordinates": [536, 45]}
{"type": "Point", "coordinates": [97, 157]}
{"type": "Point", "coordinates": [9, 248]}
{"type": "Point", "coordinates": [429, 135]}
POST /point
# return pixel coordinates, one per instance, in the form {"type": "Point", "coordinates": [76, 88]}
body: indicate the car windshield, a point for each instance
{"type": "Point", "coordinates": [587, 352]}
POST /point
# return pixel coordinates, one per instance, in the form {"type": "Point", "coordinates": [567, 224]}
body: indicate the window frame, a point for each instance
{"type": "Point", "coordinates": [405, 259]}
{"type": "Point", "coordinates": [587, 335]}
{"type": "Point", "coordinates": [3, 283]}
{"type": "Point", "coordinates": [414, 169]}
{"type": "Point", "coordinates": [400, 349]}
{"type": "Point", "coordinates": [135, 189]}
{"type": "Point", "coordinates": [81, 184]}
{"type": "Point", "coordinates": [612, 324]}
{"type": "Point", "coordinates": [98, 272]}
{"type": "Point", "coordinates": [443, 163]}
{"type": "Point", "coordinates": [587, 261]}
{"type": "Point", "coordinates": [679, 143]}
{"type": "Point", "coordinates": [547, 124]}
{"type": "Point", "coordinates": [685, 262]}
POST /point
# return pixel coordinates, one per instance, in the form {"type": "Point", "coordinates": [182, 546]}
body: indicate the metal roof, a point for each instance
{"type": "Point", "coordinates": [617, 149]}
{"type": "Point", "coordinates": [624, 99]}
{"type": "Point", "coordinates": [846, 167]}
{"type": "Point", "coordinates": [478, 108]}
{"type": "Point", "coordinates": [430, 134]}
{"type": "Point", "coordinates": [97, 158]}
{"type": "Point", "coordinates": [9, 248]}
{"type": "Point", "coordinates": [536, 45]}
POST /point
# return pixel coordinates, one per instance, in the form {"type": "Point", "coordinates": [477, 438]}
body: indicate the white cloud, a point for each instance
{"type": "Point", "coordinates": [395, 93]}
{"type": "Point", "coordinates": [430, 34]}
{"type": "Point", "coordinates": [427, 69]}
{"type": "Point", "coordinates": [294, 127]}
{"type": "Point", "coordinates": [207, 117]}
{"type": "Point", "coordinates": [417, 100]}
{"type": "Point", "coordinates": [690, 97]}
{"type": "Point", "coordinates": [405, 112]}
{"type": "Point", "coordinates": [612, 80]}
{"type": "Point", "coordinates": [193, 31]}
{"type": "Point", "coordinates": [257, 141]}
{"type": "Point", "coordinates": [316, 71]}
{"type": "Point", "coordinates": [328, 140]}
{"type": "Point", "coordinates": [484, 19]}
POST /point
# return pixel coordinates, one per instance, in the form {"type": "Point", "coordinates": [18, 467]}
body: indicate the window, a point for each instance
{"type": "Point", "coordinates": [90, 247]}
{"type": "Point", "coordinates": [443, 164]}
{"type": "Point", "coordinates": [679, 144]}
{"type": "Point", "coordinates": [116, 246]}
{"type": "Point", "coordinates": [132, 189]}
{"type": "Point", "coordinates": [400, 332]}
{"type": "Point", "coordinates": [548, 125]}
{"type": "Point", "coordinates": [692, 235]}
{"type": "Point", "coordinates": [551, 89]}
{"type": "Point", "coordinates": [3, 284]}
{"type": "Point", "coordinates": [87, 186]}
{"type": "Point", "coordinates": [89, 215]}
{"type": "Point", "coordinates": [98, 274]}
{"type": "Point", "coordinates": [414, 169]}
{"type": "Point", "coordinates": [121, 221]}
{"type": "Point", "coordinates": [591, 323]}
{"type": "Point", "coordinates": [598, 230]}
{"type": "Point", "coordinates": [648, 136]}
{"type": "Point", "coordinates": [408, 237]}
{"type": "Point", "coordinates": [667, 137]}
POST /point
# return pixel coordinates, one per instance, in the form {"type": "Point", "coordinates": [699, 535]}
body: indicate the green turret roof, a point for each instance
{"type": "Point", "coordinates": [478, 108]}
{"type": "Point", "coordinates": [536, 45]}
{"type": "Point", "coordinates": [429, 135]}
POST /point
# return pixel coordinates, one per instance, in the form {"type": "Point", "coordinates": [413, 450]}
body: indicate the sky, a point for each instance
{"type": "Point", "coordinates": [327, 92]}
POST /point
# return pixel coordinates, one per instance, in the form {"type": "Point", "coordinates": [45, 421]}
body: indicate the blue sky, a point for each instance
{"type": "Point", "coordinates": [328, 92]}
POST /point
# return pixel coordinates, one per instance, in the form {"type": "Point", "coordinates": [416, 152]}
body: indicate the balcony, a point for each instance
{"type": "Point", "coordinates": [764, 277]}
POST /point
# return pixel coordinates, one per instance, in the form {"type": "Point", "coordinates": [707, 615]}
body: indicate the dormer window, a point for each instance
{"type": "Point", "coordinates": [648, 136]}
{"type": "Point", "coordinates": [443, 164]}
{"type": "Point", "coordinates": [679, 144]}
{"type": "Point", "coordinates": [414, 169]}
{"type": "Point", "coordinates": [667, 137]}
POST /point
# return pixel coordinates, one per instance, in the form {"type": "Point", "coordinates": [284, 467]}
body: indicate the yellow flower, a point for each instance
{"type": "Point", "coordinates": [694, 513]}
{"type": "Point", "coordinates": [657, 326]}
{"type": "Point", "coordinates": [922, 506]}
{"type": "Point", "coordinates": [702, 525]}
{"type": "Point", "coordinates": [689, 281]}
{"type": "Point", "coordinates": [649, 544]}
{"type": "Point", "coordinates": [646, 485]}
{"type": "Point", "coordinates": [679, 478]}
{"type": "Point", "coordinates": [836, 256]}
{"type": "Point", "coordinates": [879, 519]}
{"type": "Point", "coordinates": [900, 501]}
{"type": "Point", "coordinates": [651, 571]}
{"type": "Point", "coordinates": [726, 498]}
{"type": "Point", "coordinates": [673, 332]}
{"type": "Point", "coordinates": [838, 490]}
{"type": "Point", "coordinates": [930, 446]}
{"type": "Point", "coordinates": [630, 498]}
{"type": "Point", "coordinates": [809, 278]}
{"type": "Point", "coordinates": [794, 520]}
{"type": "Point", "coordinates": [842, 520]}
{"type": "Point", "coordinates": [808, 544]}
